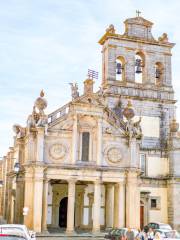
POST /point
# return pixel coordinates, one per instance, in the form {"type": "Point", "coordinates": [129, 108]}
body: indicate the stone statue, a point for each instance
{"type": "Point", "coordinates": [163, 38]}
{"type": "Point", "coordinates": [133, 129]}
{"type": "Point", "coordinates": [110, 29]}
{"type": "Point", "coordinates": [118, 109]}
{"type": "Point", "coordinates": [19, 131]}
{"type": "Point", "coordinates": [38, 118]}
{"type": "Point", "coordinates": [74, 91]}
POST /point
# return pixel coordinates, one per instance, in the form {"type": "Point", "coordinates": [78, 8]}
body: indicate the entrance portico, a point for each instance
{"type": "Point", "coordinates": [94, 205]}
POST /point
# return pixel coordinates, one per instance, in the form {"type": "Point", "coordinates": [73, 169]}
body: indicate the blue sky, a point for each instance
{"type": "Point", "coordinates": [45, 44]}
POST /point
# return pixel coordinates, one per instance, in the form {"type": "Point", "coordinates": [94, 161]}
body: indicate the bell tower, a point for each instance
{"type": "Point", "coordinates": [135, 58]}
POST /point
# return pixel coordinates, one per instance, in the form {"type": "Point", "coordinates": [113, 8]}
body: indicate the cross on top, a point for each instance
{"type": "Point", "coordinates": [138, 13]}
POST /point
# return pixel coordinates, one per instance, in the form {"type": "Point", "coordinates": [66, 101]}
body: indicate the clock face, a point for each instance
{"type": "Point", "coordinates": [57, 151]}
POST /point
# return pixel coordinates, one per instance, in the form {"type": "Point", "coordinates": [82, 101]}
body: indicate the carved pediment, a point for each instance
{"type": "Point", "coordinates": [92, 99]}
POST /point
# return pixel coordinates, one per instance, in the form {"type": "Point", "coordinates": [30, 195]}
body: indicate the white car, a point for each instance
{"type": "Point", "coordinates": [166, 234]}
{"type": "Point", "coordinates": [17, 228]}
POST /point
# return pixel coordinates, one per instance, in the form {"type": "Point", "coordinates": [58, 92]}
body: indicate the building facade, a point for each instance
{"type": "Point", "coordinates": [106, 159]}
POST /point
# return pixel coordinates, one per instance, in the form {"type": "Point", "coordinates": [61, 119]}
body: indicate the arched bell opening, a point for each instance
{"type": "Point", "coordinates": [159, 73]}
{"type": "Point", "coordinates": [120, 69]}
{"type": "Point", "coordinates": [139, 67]}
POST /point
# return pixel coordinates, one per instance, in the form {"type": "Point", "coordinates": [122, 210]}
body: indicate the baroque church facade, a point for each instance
{"type": "Point", "coordinates": [105, 159]}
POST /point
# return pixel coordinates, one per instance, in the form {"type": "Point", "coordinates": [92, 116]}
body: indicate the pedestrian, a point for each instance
{"type": "Point", "coordinates": [140, 235]}
{"type": "Point", "coordinates": [150, 234]}
{"type": "Point", "coordinates": [157, 236]}
{"type": "Point", "coordinates": [130, 234]}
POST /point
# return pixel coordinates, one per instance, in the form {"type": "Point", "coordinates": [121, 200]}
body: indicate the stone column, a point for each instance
{"type": "Point", "coordinates": [40, 144]}
{"type": "Point", "coordinates": [71, 205]}
{"type": "Point", "coordinates": [28, 197]}
{"type": "Point", "coordinates": [74, 140]}
{"type": "Point", "coordinates": [97, 206]}
{"type": "Point", "coordinates": [99, 142]}
{"type": "Point", "coordinates": [109, 205]}
{"type": "Point", "coordinates": [132, 201]}
{"type": "Point", "coordinates": [38, 195]}
{"type": "Point", "coordinates": [45, 206]}
{"type": "Point", "coordinates": [119, 205]}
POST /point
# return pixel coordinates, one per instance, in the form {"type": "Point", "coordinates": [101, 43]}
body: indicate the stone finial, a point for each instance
{"type": "Point", "coordinates": [111, 29]}
{"type": "Point", "coordinates": [88, 86]}
{"type": "Point", "coordinates": [129, 111]}
{"type": "Point", "coordinates": [41, 102]}
{"type": "Point", "coordinates": [174, 126]}
{"type": "Point", "coordinates": [163, 38]}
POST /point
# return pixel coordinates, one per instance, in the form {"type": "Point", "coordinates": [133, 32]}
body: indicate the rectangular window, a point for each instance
{"type": "Point", "coordinates": [155, 203]}
{"type": "Point", "coordinates": [143, 163]}
{"type": "Point", "coordinates": [85, 146]}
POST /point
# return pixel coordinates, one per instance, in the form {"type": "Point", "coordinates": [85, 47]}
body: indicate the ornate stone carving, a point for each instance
{"type": "Point", "coordinates": [74, 91]}
{"type": "Point", "coordinates": [174, 126]}
{"type": "Point", "coordinates": [57, 151]}
{"type": "Point", "coordinates": [111, 29]}
{"type": "Point", "coordinates": [163, 38]}
{"type": "Point", "coordinates": [114, 155]}
{"type": "Point", "coordinates": [19, 131]}
{"type": "Point", "coordinates": [38, 118]}
{"type": "Point", "coordinates": [133, 129]}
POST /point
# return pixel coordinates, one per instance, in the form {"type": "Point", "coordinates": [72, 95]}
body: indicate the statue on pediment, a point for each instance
{"type": "Point", "coordinates": [19, 131]}
{"type": "Point", "coordinates": [111, 29]}
{"type": "Point", "coordinates": [74, 90]}
{"type": "Point", "coordinates": [38, 118]}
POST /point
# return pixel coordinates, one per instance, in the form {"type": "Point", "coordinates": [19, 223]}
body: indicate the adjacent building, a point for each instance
{"type": "Point", "coordinates": [105, 159]}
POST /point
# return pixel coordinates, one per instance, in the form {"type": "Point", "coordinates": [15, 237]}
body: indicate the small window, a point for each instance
{"type": "Point", "coordinates": [85, 146]}
{"type": "Point", "coordinates": [143, 163]}
{"type": "Point", "coordinates": [155, 203]}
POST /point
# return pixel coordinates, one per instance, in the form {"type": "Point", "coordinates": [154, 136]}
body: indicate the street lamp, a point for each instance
{"type": "Point", "coordinates": [16, 167]}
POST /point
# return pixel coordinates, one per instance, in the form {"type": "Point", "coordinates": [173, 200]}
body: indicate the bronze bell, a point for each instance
{"type": "Point", "coordinates": [138, 65]}
{"type": "Point", "coordinates": [158, 73]}
{"type": "Point", "coordinates": [119, 68]}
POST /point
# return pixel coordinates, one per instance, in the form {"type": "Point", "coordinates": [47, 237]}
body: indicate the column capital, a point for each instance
{"type": "Point", "coordinates": [72, 180]}
{"type": "Point", "coordinates": [97, 182]}
{"type": "Point", "coordinates": [109, 185]}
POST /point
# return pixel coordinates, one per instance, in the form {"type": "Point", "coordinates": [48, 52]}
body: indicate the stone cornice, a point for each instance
{"type": "Point", "coordinates": [116, 36]}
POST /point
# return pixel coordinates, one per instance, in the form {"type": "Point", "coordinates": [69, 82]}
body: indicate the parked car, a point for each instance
{"type": "Point", "coordinates": [157, 225]}
{"type": "Point", "coordinates": [116, 234]}
{"type": "Point", "coordinates": [166, 234]}
{"type": "Point", "coordinates": [17, 229]}
{"type": "Point", "coordinates": [12, 237]}
{"type": "Point", "coordinates": [109, 234]}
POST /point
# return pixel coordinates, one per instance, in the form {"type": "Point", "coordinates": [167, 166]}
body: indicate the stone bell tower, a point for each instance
{"type": "Point", "coordinates": [120, 52]}
{"type": "Point", "coordinates": [136, 66]}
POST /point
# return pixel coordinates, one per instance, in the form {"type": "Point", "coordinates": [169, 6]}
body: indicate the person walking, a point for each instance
{"type": "Point", "coordinates": [130, 234]}
{"type": "Point", "coordinates": [150, 234]}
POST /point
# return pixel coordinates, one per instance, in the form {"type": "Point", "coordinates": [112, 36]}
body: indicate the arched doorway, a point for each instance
{"type": "Point", "coordinates": [63, 212]}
